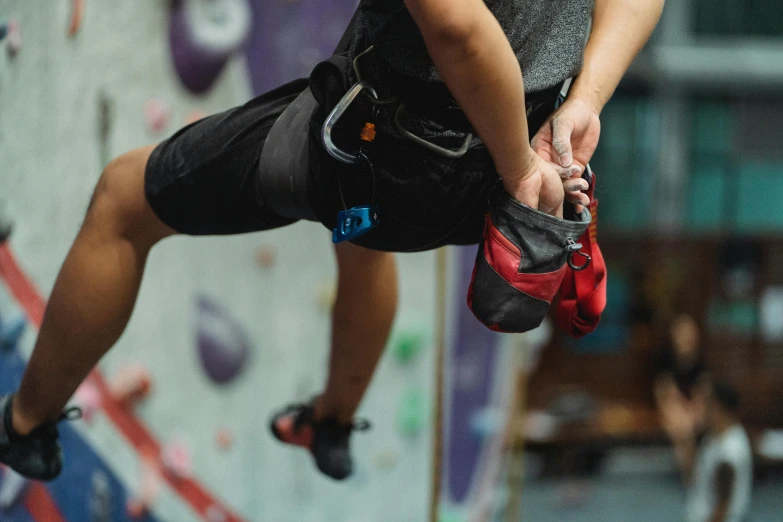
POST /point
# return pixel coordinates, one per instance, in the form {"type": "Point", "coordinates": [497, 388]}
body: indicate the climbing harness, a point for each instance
{"type": "Point", "coordinates": [356, 221]}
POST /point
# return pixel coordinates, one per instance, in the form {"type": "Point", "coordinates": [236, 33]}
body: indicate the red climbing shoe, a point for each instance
{"type": "Point", "coordinates": [326, 439]}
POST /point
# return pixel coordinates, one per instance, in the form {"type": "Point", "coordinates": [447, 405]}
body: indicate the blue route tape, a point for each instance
{"type": "Point", "coordinates": [11, 331]}
{"type": "Point", "coordinates": [73, 490]}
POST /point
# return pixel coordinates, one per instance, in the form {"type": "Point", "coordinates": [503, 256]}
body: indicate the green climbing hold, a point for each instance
{"type": "Point", "coordinates": [451, 516]}
{"type": "Point", "coordinates": [412, 415]}
{"type": "Point", "coordinates": [407, 344]}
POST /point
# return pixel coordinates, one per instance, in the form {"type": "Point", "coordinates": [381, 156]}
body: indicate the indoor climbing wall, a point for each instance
{"type": "Point", "coordinates": [226, 330]}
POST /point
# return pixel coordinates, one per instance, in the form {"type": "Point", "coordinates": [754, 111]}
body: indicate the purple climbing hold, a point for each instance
{"type": "Point", "coordinates": [203, 34]}
{"type": "Point", "coordinates": [290, 35]}
{"type": "Point", "coordinates": [223, 345]}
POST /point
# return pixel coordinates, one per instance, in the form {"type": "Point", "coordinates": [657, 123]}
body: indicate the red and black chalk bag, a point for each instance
{"type": "Point", "coordinates": [527, 258]}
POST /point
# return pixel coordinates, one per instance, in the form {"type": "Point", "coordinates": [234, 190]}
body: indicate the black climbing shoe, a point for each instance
{"type": "Point", "coordinates": [326, 439]}
{"type": "Point", "coordinates": [37, 455]}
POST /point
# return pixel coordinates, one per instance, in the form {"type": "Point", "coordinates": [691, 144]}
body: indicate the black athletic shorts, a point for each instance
{"type": "Point", "coordinates": [205, 179]}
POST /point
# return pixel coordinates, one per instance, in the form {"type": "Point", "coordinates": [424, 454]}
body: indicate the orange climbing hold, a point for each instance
{"type": "Point", "coordinates": [266, 256]}
{"type": "Point", "coordinates": [194, 116]}
{"type": "Point", "coordinates": [224, 439]}
{"type": "Point", "coordinates": [136, 509]}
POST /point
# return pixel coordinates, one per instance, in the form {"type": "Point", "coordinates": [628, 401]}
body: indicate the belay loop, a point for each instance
{"type": "Point", "coordinates": [573, 249]}
{"type": "Point", "coordinates": [358, 220]}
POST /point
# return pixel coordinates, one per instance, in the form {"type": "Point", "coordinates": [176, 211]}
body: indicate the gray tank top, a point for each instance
{"type": "Point", "coordinates": [548, 37]}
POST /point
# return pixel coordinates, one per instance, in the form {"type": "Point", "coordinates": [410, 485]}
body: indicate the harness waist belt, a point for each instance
{"type": "Point", "coordinates": [434, 102]}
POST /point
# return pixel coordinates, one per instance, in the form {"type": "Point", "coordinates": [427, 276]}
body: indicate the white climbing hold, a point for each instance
{"type": "Point", "coordinates": [11, 488]}
{"type": "Point", "coordinates": [131, 384]}
{"type": "Point", "coordinates": [386, 459]}
{"type": "Point", "coordinates": [149, 487]}
{"type": "Point", "coordinates": [100, 498]}
{"type": "Point", "coordinates": [175, 458]}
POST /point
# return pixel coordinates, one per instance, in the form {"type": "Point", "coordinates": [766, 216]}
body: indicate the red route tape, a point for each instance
{"type": "Point", "coordinates": [40, 504]}
{"type": "Point", "coordinates": [20, 286]}
{"type": "Point", "coordinates": [132, 428]}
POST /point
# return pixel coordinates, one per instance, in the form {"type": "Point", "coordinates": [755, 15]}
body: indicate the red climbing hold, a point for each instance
{"type": "Point", "coordinates": [157, 115]}
{"type": "Point", "coordinates": [224, 439]}
{"type": "Point", "coordinates": [88, 398]}
{"type": "Point", "coordinates": [14, 38]}
{"type": "Point", "coordinates": [77, 13]}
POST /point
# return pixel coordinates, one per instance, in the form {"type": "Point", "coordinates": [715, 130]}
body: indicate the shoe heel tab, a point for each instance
{"type": "Point", "coordinates": [73, 413]}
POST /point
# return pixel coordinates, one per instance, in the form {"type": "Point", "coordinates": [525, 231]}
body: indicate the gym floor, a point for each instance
{"type": "Point", "coordinates": [641, 499]}
{"type": "Point", "coordinates": [636, 485]}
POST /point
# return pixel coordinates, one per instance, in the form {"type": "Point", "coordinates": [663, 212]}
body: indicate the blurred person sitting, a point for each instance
{"type": "Point", "coordinates": [681, 386]}
{"type": "Point", "coordinates": [723, 475]}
